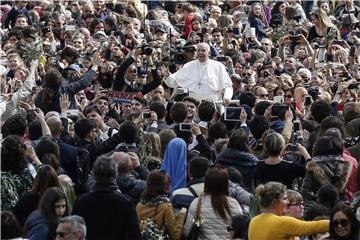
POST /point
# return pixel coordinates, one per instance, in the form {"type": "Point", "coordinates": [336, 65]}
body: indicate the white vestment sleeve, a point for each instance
{"type": "Point", "coordinates": [170, 81]}
{"type": "Point", "coordinates": [228, 92]}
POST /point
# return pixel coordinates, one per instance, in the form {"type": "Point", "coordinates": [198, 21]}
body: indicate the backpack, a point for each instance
{"type": "Point", "coordinates": [84, 161]}
{"type": "Point", "coordinates": [151, 230]}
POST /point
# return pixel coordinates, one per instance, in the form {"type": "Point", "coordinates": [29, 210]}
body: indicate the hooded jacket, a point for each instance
{"type": "Point", "coordinates": [243, 161]}
{"type": "Point", "coordinates": [327, 169]}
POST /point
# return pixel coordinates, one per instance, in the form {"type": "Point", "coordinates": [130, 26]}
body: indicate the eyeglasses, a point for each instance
{"type": "Point", "coordinates": [342, 222]}
{"type": "Point", "coordinates": [263, 95]}
{"type": "Point", "coordinates": [246, 74]}
{"type": "Point", "coordinates": [132, 71]}
{"type": "Point", "coordinates": [288, 96]}
{"type": "Point", "coordinates": [266, 44]}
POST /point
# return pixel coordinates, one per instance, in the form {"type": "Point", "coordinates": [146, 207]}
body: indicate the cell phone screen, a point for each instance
{"type": "Point", "coordinates": [186, 127]}
{"type": "Point", "coordinates": [146, 115]}
{"type": "Point", "coordinates": [221, 59]}
{"type": "Point", "coordinates": [308, 100]}
{"type": "Point", "coordinates": [296, 126]}
{"type": "Point", "coordinates": [232, 113]}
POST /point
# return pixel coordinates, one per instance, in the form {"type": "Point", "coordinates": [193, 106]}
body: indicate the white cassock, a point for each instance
{"type": "Point", "coordinates": [204, 80]}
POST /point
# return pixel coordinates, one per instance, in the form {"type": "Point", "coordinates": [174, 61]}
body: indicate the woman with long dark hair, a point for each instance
{"type": "Point", "coordinates": [238, 154]}
{"type": "Point", "coordinates": [48, 152]}
{"type": "Point", "coordinates": [343, 223]}
{"type": "Point", "coordinates": [46, 177]}
{"type": "Point", "coordinates": [216, 207]}
{"type": "Point", "coordinates": [155, 204]}
{"type": "Point", "coordinates": [42, 223]}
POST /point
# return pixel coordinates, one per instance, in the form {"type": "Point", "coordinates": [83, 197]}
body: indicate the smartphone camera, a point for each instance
{"type": "Point", "coordinates": [146, 115]}
{"type": "Point", "coordinates": [185, 127]}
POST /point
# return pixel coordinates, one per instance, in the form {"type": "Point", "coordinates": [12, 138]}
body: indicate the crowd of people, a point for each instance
{"type": "Point", "coordinates": [180, 119]}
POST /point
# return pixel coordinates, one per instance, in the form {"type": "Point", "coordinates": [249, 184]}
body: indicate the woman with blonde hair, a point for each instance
{"type": "Point", "coordinates": [271, 224]}
{"type": "Point", "coordinates": [322, 25]}
{"type": "Point", "coordinates": [257, 20]}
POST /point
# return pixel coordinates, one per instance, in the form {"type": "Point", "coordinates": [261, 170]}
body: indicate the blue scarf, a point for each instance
{"type": "Point", "coordinates": [174, 163]}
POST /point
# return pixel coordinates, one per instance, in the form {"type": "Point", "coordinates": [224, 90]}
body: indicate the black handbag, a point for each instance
{"type": "Point", "coordinates": [195, 229]}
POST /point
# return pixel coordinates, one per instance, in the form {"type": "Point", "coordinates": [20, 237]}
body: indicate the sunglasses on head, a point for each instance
{"type": "Point", "coordinates": [342, 222]}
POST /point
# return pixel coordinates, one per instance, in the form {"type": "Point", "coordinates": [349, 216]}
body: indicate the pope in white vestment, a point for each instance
{"type": "Point", "coordinates": [205, 79]}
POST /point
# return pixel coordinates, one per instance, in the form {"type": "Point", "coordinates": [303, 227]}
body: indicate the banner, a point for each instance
{"type": "Point", "coordinates": [121, 97]}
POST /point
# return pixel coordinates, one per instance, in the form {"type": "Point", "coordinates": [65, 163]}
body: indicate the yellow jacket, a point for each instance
{"type": "Point", "coordinates": [268, 226]}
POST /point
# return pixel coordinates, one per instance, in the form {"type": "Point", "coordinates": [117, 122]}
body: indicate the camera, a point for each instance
{"type": "Point", "coordinates": [314, 92]}
{"type": "Point", "coordinates": [146, 50]}
{"type": "Point", "coordinates": [178, 54]}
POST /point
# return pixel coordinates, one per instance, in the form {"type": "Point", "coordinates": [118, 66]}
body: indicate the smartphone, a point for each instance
{"type": "Point", "coordinates": [279, 110]}
{"type": "Point", "coordinates": [232, 113]}
{"type": "Point", "coordinates": [185, 127]}
{"type": "Point", "coordinates": [293, 103]}
{"type": "Point", "coordinates": [221, 59]}
{"type": "Point", "coordinates": [294, 38]}
{"type": "Point", "coordinates": [3, 62]}
{"type": "Point", "coordinates": [279, 99]}
{"type": "Point", "coordinates": [236, 31]}
{"type": "Point", "coordinates": [296, 125]}
{"type": "Point", "coordinates": [73, 112]}
{"type": "Point", "coordinates": [274, 52]}
{"type": "Point", "coordinates": [308, 100]}
{"type": "Point", "coordinates": [339, 42]}
{"type": "Point", "coordinates": [352, 51]}
{"type": "Point", "coordinates": [204, 31]}
{"type": "Point", "coordinates": [69, 27]}
{"type": "Point", "coordinates": [146, 115]}
{"type": "Point", "coordinates": [292, 148]}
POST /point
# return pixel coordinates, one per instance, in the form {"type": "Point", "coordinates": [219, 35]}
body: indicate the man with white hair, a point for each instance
{"type": "Point", "coordinates": [71, 228]}
{"type": "Point", "coordinates": [203, 78]}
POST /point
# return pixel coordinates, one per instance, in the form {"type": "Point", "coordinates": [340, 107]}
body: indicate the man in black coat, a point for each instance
{"type": "Point", "coordinates": [107, 212]}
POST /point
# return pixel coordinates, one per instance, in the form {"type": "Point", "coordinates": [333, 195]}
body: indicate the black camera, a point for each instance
{"type": "Point", "coordinates": [146, 50]}
{"type": "Point", "coordinates": [314, 92]}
